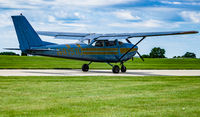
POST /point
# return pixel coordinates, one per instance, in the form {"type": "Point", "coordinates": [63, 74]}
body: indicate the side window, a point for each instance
{"type": "Point", "coordinates": [111, 43]}
{"type": "Point", "coordinates": [98, 44]}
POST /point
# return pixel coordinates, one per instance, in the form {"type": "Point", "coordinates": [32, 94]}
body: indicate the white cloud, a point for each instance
{"type": "Point", "coordinates": [124, 14]}
{"type": "Point", "coordinates": [19, 4]}
{"type": "Point", "coordinates": [181, 3]}
{"type": "Point", "coordinates": [145, 24]}
{"type": "Point", "coordinates": [30, 4]}
{"type": "Point", "coordinates": [51, 18]}
{"type": "Point", "coordinates": [191, 15]}
{"type": "Point", "coordinates": [91, 2]}
{"type": "Point", "coordinates": [6, 18]}
{"type": "Point", "coordinates": [168, 2]}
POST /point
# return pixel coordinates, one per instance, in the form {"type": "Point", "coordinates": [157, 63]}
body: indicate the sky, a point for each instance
{"type": "Point", "coordinates": [108, 16]}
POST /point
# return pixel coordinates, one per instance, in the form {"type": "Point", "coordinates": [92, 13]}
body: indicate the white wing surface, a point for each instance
{"type": "Point", "coordinates": [84, 36]}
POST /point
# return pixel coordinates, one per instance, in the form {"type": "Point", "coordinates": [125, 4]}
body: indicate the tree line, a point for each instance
{"type": "Point", "coordinates": [158, 52]}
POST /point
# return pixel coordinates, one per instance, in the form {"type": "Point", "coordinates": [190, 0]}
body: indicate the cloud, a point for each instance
{"type": "Point", "coordinates": [192, 2]}
{"type": "Point", "coordinates": [152, 23]}
{"type": "Point", "coordinates": [51, 18]}
{"type": "Point", "coordinates": [6, 18]}
{"type": "Point", "coordinates": [193, 16]}
{"type": "Point", "coordinates": [126, 15]}
{"type": "Point", "coordinates": [168, 2]}
{"type": "Point", "coordinates": [92, 2]}
{"type": "Point", "coordinates": [19, 4]}
{"type": "Point", "coordinates": [30, 4]}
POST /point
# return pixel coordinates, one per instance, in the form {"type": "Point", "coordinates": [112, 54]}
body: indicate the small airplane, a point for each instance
{"type": "Point", "coordinates": [91, 47]}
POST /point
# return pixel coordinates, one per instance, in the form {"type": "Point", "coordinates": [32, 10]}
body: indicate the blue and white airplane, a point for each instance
{"type": "Point", "coordinates": [106, 48]}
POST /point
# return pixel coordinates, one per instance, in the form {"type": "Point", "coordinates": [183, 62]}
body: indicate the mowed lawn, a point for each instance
{"type": "Point", "coordinates": [155, 96]}
{"type": "Point", "coordinates": [38, 62]}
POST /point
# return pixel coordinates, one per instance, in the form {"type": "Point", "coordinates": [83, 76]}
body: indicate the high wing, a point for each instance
{"type": "Point", "coordinates": [65, 35]}
{"type": "Point", "coordinates": [82, 36]}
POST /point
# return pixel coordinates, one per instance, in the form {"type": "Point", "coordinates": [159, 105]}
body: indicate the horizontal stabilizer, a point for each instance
{"type": "Point", "coordinates": [11, 48]}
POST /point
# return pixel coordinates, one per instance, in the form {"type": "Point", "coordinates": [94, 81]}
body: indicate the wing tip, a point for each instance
{"type": "Point", "coordinates": [190, 32]}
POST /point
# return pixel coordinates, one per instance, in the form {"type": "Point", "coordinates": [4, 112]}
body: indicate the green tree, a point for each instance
{"type": "Point", "coordinates": [189, 55]}
{"type": "Point", "coordinates": [8, 53]}
{"type": "Point", "coordinates": [157, 52]}
{"type": "Point", "coordinates": [145, 56]}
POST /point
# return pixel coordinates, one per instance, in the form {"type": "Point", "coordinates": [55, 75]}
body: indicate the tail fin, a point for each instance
{"type": "Point", "coordinates": [27, 36]}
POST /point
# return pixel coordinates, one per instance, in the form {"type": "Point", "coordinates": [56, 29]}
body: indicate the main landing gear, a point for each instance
{"type": "Point", "coordinates": [115, 68]}
{"type": "Point", "coordinates": [85, 67]}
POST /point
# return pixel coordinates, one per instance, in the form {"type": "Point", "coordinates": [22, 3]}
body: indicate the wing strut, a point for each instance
{"type": "Point", "coordinates": [131, 48]}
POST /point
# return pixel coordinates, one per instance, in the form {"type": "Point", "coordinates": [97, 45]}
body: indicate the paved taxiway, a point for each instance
{"type": "Point", "coordinates": [78, 72]}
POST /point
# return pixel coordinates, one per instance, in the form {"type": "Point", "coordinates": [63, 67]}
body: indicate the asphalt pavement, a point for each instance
{"type": "Point", "coordinates": [78, 72]}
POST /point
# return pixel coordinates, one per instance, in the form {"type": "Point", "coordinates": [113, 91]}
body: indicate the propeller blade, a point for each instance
{"type": "Point", "coordinates": [140, 56]}
{"type": "Point", "coordinates": [131, 48]}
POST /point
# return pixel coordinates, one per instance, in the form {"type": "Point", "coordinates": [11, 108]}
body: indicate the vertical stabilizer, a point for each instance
{"type": "Point", "coordinates": [26, 35]}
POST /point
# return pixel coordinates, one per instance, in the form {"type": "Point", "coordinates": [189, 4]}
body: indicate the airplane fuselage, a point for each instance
{"type": "Point", "coordinates": [87, 52]}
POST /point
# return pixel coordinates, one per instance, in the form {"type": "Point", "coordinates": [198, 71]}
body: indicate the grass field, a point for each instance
{"type": "Point", "coordinates": [37, 62]}
{"type": "Point", "coordinates": [159, 96]}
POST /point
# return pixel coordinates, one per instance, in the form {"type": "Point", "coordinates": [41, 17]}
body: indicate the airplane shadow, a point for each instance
{"type": "Point", "coordinates": [77, 72]}
{"type": "Point", "coordinates": [135, 73]}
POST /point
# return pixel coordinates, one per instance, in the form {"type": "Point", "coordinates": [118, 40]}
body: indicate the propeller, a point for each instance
{"type": "Point", "coordinates": [140, 56]}
{"type": "Point", "coordinates": [132, 48]}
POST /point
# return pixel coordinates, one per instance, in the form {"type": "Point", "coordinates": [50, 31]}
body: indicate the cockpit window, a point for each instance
{"type": "Point", "coordinates": [99, 43]}
{"type": "Point", "coordinates": [102, 43]}
{"type": "Point", "coordinates": [110, 43]}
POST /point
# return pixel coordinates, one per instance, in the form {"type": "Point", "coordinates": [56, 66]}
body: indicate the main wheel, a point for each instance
{"type": "Point", "coordinates": [123, 68]}
{"type": "Point", "coordinates": [85, 67]}
{"type": "Point", "coordinates": [115, 69]}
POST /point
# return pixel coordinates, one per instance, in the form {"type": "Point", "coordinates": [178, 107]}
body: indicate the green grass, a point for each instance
{"type": "Point", "coordinates": [38, 62]}
{"type": "Point", "coordinates": [159, 96]}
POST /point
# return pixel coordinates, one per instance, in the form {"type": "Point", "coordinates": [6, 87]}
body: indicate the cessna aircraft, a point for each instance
{"type": "Point", "coordinates": [106, 48]}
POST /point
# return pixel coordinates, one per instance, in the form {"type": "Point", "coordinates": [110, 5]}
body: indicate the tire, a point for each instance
{"type": "Point", "coordinates": [85, 67]}
{"type": "Point", "coordinates": [115, 69]}
{"type": "Point", "coordinates": [123, 69]}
